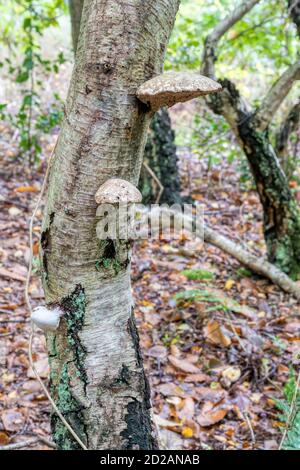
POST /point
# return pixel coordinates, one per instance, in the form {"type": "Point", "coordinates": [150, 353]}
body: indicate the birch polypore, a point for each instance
{"type": "Point", "coordinates": [118, 221]}
{"type": "Point", "coordinates": [97, 375]}
{"type": "Point", "coordinates": [117, 191]}
{"type": "Point", "coordinates": [170, 88]}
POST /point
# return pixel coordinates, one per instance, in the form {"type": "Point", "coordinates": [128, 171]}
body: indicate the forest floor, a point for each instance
{"type": "Point", "coordinates": [217, 358]}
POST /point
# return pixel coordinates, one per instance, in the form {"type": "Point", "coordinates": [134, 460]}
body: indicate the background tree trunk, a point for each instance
{"type": "Point", "coordinates": [160, 155]}
{"type": "Point", "coordinates": [97, 376]}
{"type": "Point", "coordinates": [75, 7]}
{"type": "Point", "coordinates": [281, 214]}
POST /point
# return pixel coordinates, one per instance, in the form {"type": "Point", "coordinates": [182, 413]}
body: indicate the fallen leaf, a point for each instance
{"type": "Point", "coordinates": [216, 334]}
{"type": "Point", "coordinates": [188, 409]}
{"type": "Point", "coordinates": [42, 368]}
{"type": "Point", "coordinates": [26, 189]}
{"type": "Point", "coordinates": [4, 439]}
{"type": "Point", "coordinates": [13, 211]}
{"type": "Point", "coordinates": [229, 284]}
{"type": "Point", "coordinates": [159, 352]}
{"type": "Point", "coordinates": [12, 420]}
{"type": "Point", "coordinates": [165, 423]}
{"type": "Point", "coordinates": [170, 440]}
{"type": "Point", "coordinates": [171, 390]}
{"type": "Point", "coordinates": [183, 365]}
{"type": "Point", "coordinates": [232, 374]}
{"type": "Point", "coordinates": [187, 432]}
{"type": "Point", "coordinates": [12, 275]}
{"type": "Point", "coordinates": [211, 414]}
{"type": "Point", "coordinates": [197, 378]}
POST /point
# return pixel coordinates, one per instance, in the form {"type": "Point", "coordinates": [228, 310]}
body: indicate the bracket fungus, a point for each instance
{"type": "Point", "coordinates": [116, 198]}
{"type": "Point", "coordinates": [170, 88]}
{"type": "Point", "coordinates": [45, 318]}
{"type": "Point", "coordinates": [117, 191]}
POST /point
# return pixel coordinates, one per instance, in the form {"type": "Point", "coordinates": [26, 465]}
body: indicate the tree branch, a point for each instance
{"type": "Point", "coordinates": [213, 38]}
{"type": "Point", "coordinates": [256, 264]}
{"type": "Point", "coordinates": [276, 95]}
{"type": "Point", "coordinates": [294, 12]}
{"type": "Point", "coordinates": [288, 126]}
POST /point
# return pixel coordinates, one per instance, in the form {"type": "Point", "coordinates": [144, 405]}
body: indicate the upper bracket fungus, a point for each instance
{"type": "Point", "coordinates": [117, 191]}
{"type": "Point", "coordinates": [45, 318]}
{"type": "Point", "coordinates": [170, 88]}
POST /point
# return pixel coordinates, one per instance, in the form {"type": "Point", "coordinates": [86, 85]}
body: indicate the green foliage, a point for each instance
{"type": "Point", "coordinates": [243, 272]}
{"type": "Point", "coordinates": [198, 274]}
{"type": "Point", "coordinates": [292, 440]}
{"type": "Point", "coordinates": [23, 23]}
{"type": "Point", "coordinates": [200, 295]}
{"type": "Point", "coordinates": [253, 54]}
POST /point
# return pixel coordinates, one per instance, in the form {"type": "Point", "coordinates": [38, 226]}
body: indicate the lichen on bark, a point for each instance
{"type": "Point", "coordinates": [102, 136]}
{"type": "Point", "coordinates": [67, 368]}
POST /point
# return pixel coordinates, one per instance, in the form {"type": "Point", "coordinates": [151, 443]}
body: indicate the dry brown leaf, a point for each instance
{"type": "Point", "coordinates": [171, 390]}
{"type": "Point", "coordinates": [216, 334]}
{"type": "Point", "coordinates": [232, 373]}
{"type": "Point", "coordinates": [158, 351]}
{"type": "Point", "coordinates": [42, 367]}
{"type": "Point", "coordinates": [165, 423]}
{"type": "Point", "coordinates": [12, 275]}
{"type": "Point", "coordinates": [188, 409]}
{"type": "Point", "coordinates": [184, 365]}
{"type": "Point", "coordinates": [12, 420]}
{"type": "Point", "coordinates": [4, 439]}
{"type": "Point", "coordinates": [197, 378]}
{"type": "Point", "coordinates": [26, 189]}
{"type": "Point", "coordinates": [211, 414]}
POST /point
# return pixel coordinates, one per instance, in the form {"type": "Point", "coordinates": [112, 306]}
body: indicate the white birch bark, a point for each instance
{"type": "Point", "coordinates": [97, 376]}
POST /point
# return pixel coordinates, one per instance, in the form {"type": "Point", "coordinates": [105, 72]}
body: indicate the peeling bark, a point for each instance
{"type": "Point", "coordinates": [97, 375]}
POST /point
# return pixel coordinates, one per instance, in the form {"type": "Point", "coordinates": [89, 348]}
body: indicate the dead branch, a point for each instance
{"type": "Point", "coordinates": [29, 442]}
{"type": "Point", "coordinates": [213, 38]}
{"type": "Point", "coordinates": [257, 265]}
{"type": "Point", "coordinates": [288, 126]}
{"type": "Point", "coordinates": [276, 95]}
{"type": "Point", "coordinates": [157, 181]}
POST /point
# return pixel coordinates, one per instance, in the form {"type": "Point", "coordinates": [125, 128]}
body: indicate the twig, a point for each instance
{"type": "Point", "coordinates": [29, 442]}
{"type": "Point", "coordinates": [291, 412]}
{"type": "Point", "coordinates": [153, 175]}
{"type": "Point", "coordinates": [249, 424]}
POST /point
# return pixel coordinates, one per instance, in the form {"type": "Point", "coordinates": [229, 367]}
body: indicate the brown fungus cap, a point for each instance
{"type": "Point", "coordinates": [115, 191]}
{"type": "Point", "coordinates": [170, 88]}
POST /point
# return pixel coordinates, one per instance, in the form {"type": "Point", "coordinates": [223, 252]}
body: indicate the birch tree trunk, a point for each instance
{"type": "Point", "coordinates": [97, 376]}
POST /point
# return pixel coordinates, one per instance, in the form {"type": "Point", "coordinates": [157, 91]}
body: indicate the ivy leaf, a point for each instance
{"type": "Point", "coordinates": [22, 76]}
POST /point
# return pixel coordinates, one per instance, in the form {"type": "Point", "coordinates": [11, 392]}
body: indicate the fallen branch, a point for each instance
{"type": "Point", "coordinates": [29, 442]}
{"type": "Point", "coordinates": [257, 265]}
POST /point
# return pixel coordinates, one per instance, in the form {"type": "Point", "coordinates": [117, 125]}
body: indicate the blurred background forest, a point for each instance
{"type": "Point", "coordinates": [221, 343]}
